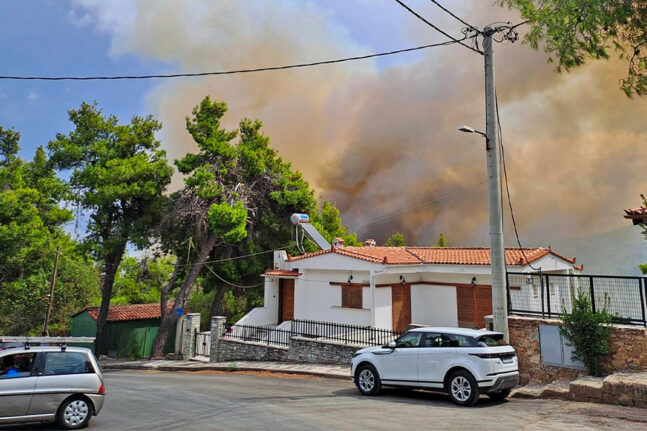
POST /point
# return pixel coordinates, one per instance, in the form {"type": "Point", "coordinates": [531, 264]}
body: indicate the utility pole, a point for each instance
{"type": "Point", "coordinates": [497, 263]}
{"type": "Point", "coordinates": [51, 293]}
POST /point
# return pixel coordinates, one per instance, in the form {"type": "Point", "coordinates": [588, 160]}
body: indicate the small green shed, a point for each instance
{"type": "Point", "coordinates": [131, 329]}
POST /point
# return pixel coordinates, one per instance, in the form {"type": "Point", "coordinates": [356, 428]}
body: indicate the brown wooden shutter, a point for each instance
{"type": "Point", "coordinates": [356, 297]}
{"type": "Point", "coordinates": [346, 296]}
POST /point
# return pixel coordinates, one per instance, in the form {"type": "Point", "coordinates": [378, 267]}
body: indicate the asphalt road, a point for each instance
{"type": "Point", "coordinates": [139, 400]}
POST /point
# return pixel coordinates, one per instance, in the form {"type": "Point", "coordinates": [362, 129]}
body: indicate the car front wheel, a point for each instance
{"type": "Point", "coordinates": [74, 413]}
{"type": "Point", "coordinates": [463, 389]}
{"type": "Point", "coordinates": [367, 380]}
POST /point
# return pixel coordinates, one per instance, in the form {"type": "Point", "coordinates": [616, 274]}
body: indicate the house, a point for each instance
{"type": "Point", "coordinates": [130, 329]}
{"type": "Point", "coordinates": [393, 287]}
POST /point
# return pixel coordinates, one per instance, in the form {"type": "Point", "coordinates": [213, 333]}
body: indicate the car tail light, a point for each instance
{"type": "Point", "coordinates": [102, 389]}
{"type": "Point", "coordinates": [494, 355]}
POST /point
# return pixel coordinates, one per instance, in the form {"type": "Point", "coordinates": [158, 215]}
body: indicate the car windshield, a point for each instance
{"type": "Point", "coordinates": [492, 340]}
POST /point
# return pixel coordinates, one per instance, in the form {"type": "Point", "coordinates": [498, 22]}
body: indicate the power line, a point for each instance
{"type": "Point", "coordinates": [453, 15]}
{"type": "Point", "coordinates": [417, 206]}
{"type": "Point", "coordinates": [421, 18]}
{"type": "Point", "coordinates": [507, 188]}
{"type": "Point", "coordinates": [228, 72]}
{"type": "Point", "coordinates": [191, 246]}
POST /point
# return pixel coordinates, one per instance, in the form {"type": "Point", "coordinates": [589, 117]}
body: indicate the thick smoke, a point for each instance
{"type": "Point", "coordinates": [378, 138]}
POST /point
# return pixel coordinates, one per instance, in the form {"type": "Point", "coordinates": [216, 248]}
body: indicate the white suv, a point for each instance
{"type": "Point", "coordinates": [462, 362]}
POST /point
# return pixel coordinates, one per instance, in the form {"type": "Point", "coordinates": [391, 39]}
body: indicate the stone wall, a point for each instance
{"type": "Point", "coordinates": [628, 343]}
{"type": "Point", "coordinates": [300, 349]}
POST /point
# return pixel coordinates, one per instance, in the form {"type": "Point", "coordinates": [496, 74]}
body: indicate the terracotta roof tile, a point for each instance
{"type": "Point", "coordinates": [118, 313]}
{"type": "Point", "coordinates": [281, 273]}
{"type": "Point", "coordinates": [436, 255]}
{"type": "Point", "coordinates": [638, 215]}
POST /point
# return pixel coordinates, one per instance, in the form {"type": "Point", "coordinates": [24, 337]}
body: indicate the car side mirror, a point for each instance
{"type": "Point", "coordinates": [391, 345]}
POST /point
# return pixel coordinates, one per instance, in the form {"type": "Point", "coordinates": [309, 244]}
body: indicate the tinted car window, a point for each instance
{"type": "Point", "coordinates": [67, 363]}
{"type": "Point", "coordinates": [18, 365]}
{"type": "Point", "coordinates": [461, 341]}
{"type": "Point", "coordinates": [410, 339]}
{"type": "Point", "coordinates": [492, 340]}
{"type": "Point", "coordinates": [433, 340]}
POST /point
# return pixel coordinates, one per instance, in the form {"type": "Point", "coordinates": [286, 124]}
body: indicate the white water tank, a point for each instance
{"type": "Point", "coordinates": [297, 218]}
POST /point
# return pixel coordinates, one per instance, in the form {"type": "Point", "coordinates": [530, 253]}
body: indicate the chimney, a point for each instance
{"type": "Point", "coordinates": [370, 243]}
{"type": "Point", "coordinates": [338, 242]}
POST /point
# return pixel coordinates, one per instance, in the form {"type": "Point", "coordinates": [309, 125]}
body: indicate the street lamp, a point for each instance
{"type": "Point", "coordinates": [497, 252]}
{"type": "Point", "coordinates": [469, 129]}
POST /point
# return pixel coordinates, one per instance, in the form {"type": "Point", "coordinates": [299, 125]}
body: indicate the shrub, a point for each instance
{"type": "Point", "coordinates": [588, 332]}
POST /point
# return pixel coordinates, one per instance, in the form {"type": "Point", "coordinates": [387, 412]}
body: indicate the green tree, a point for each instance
{"type": "Point", "coordinates": [441, 241]}
{"type": "Point", "coordinates": [211, 209]}
{"type": "Point", "coordinates": [329, 223]}
{"type": "Point", "coordinates": [395, 240]}
{"type": "Point", "coordinates": [118, 176]}
{"type": "Point", "coordinates": [588, 332]}
{"type": "Point", "coordinates": [141, 281]}
{"type": "Point", "coordinates": [31, 229]}
{"type": "Point", "coordinates": [574, 31]}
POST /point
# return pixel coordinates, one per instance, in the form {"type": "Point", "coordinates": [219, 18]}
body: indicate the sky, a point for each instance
{"type": "Point", "coordinates": [376, 136]}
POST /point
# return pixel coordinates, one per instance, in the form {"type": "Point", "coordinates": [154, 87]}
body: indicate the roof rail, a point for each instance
{"type": "Point", "coordinates": [50, 340]}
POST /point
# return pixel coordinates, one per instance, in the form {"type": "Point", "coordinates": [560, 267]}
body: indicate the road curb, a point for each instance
{"type": "Point", "coordinates": [175, 368]}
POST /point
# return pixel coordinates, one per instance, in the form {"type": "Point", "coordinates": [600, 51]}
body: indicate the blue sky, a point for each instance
{"type": "Point", "coordinates": [39, 38]}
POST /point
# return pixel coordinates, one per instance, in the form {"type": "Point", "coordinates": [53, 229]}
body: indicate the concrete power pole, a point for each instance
{"type": "Point", "coordinates": [499, 300]}
{"type": "Point", "coordinates": [51, 294]}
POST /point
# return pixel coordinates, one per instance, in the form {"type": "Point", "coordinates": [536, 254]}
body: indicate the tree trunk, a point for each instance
{"type": "Point", "coordinates": [111, 263]}
{"type": "Point", "coordinates": [216, 305]}
{"type": "Point", "coordinates": [170, 319]}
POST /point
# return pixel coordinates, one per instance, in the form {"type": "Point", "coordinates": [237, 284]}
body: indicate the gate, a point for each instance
{"type": "Point", "coordinates": [202, 344]}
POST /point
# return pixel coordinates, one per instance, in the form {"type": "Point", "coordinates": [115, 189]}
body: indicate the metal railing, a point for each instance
{"type": "Point", "coordinates": [202, 343]}
{"type": "Point", "coordinates": [548, 295]}
{"type": "Point", "coordinates": [319, 331]}
{"type": "Point", "coordinates": [343, 333]}
{"type": "Point", "coordinates": [258, 334]}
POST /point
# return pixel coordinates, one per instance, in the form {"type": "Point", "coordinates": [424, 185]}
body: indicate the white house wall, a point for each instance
{"type": "Point", "coordinates": [316, 299]}
{"type": "Point", "coordinates": [434, 305]}
{"type": "Point", "coordinates": [383, 309]}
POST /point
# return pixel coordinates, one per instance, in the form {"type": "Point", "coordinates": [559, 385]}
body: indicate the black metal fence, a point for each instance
{"type": "Point", "coordinates": [548, 295]}
{"type": "Point", "coordinates": [347, 334]}
{"type": "Point", "coordinates": [321, 331]}
{"type": "Point", "coordinates": [258, 334]}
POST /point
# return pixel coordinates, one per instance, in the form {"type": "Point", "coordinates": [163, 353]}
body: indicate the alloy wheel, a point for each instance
{"type": "Point", "coordinates": [461, 388]}
{"type": "Point", "coordinates": [366, 380]}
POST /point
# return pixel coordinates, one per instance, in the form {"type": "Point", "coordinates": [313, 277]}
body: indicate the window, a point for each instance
{"type": "Point", "coordinates": [410, 339]}
{"type": "Point", "coordinates": [351, 296]}
{"type": "Point", "coordinates": [456, 340]}
{"type": "Point", "coordinates": [432, 340]}
{"type": "Point", "coordinates": [18, 365]}
{"type": "Point", "coordinates": [492, 340]}
{"type": "Point", "coordinates": [67, 363]}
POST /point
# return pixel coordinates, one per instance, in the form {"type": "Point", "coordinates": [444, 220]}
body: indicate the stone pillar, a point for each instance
{"type": "Point", "coordinates": [217, 331]}
{"type": "Point", "coordinates": [191, 326]}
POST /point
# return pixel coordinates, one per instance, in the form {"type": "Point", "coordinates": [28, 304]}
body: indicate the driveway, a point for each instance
{"type": "Point", "coordinates": [144, 400]}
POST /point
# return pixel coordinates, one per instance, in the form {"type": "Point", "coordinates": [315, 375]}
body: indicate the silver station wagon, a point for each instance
{"type": "Point", "coordinates": [50, 383]}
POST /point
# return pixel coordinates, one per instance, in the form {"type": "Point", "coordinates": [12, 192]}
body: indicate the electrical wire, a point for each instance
{"type": "Point", "coordinates": [417, 206]}
{"type": "Point", "coordinates": [191, 246]}
{"type": "Point", "coordinates": [453, 15]}
{"type": "Point", "coordinates": [421, 18]}
{"type": "Point", "coordinates": [507, 187]}
{"type": "Point", "coordinates": [229, 72]}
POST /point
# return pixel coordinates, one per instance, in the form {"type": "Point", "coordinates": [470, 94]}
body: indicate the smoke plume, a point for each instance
{"type": "Point", "coordinates": [379, 137]}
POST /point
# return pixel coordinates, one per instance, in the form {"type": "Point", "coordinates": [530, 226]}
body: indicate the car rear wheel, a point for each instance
{"type": "Point", "coordinates": [74, 413]}
{"type": "Point", "coordinates": [368, 380]}
{"type": "Point", "coordinates": [499, 395]}
{"type": "Point", "coordinates": [463, 389]}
